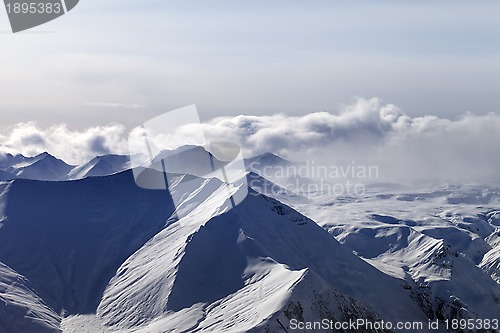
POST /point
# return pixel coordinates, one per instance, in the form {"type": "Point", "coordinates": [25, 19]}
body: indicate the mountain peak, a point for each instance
{"type": "Point", "coordinates": [42, 156]}
{"type": "Point", "coordinates": [103, 165]}
{"type": "Point", "coordinates": [265, 159]}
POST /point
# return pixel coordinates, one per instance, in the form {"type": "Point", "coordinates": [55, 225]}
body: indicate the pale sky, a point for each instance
{"type": "Point", "coordinates": [123, 61]}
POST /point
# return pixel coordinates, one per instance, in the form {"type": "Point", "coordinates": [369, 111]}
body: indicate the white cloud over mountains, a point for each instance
{"type": "Point", "coordinates": [366, 131]}
{"type": "Point", "coordinates": [75, 147]}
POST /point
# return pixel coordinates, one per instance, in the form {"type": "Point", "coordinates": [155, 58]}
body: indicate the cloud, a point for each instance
{"type": "Point", "coordinates": [366, 122]}
{"type": "Point", "coordinates": [366, 131]}
{"type": "Point", "coordinates": [373, 133]}
{"type": "Point", "coordinates": [74, 147]}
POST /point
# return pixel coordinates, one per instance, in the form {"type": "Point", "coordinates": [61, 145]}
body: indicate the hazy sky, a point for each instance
{"type": "Point", "coordinates": [125, 61]}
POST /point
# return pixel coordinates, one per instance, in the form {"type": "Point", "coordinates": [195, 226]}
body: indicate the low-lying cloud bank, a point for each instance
{"type": "Point", "coordinates": [72, 146]}
{"type": "Point", "coordinates": [367, 131]}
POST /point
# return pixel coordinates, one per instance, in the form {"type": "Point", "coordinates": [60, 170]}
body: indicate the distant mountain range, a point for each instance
{"type": "Point", "coordinates": [40, 167]}
{"type": "Point", "coordinates": [47, 167]}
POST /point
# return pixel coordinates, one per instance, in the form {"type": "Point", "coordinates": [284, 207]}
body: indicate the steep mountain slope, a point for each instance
{"type": "Point", "coordinates": [21, 309]}
{"type": "Point", "coordinates": [239, 270]}
{"type": "Point", "coordinates": [438, 275]}
{"type": "Point", "coordinates": [438, 241]}
{"type": "Point", "coordinates": [4, 175]}
{"type": "Point", "coordinates": [213, 270]}
{"type": "Point", "coordinates": [257, 162]}
{"type": "Point", "coordinates": [8, 160]}
{"type": "Point", "coordinates": [490, 262]}
{"type": "Point", "coordinates": [102, 254]}
{"type": "Point", "coordinates": [101, 166]}
{"type": "Point", "coordinates": [69, 244]}
{"type": "Point", "coordinates": [293, 177]}
{"type": "Point", "coordinates": [41, 167]}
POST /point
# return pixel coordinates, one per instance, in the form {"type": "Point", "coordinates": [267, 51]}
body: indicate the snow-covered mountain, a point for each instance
{"type": "Point", "coordinates": [41, 167]}
{"type": "Point", "coordinates": [490, 262]}
{"type": "Point", "coordinates": [443, 242]}
{"type": "Point", "coordinates": [8, 160]}
{"type": "Point", "coordinates": [265, 160]}
{"type": "Point", "coordinates": [240, 270]}
{"type": "Point", "coordinates": [47, 167]}
{"type": "Point", "coordinates": [22, 310]}
{"type": "Point", "coordinates": [186, 159]}
{"type": "Point", "coordinates": [102, 245]}
{"type": "Point", "coordinates": [70, 242]}
{"type": "Point", "coordinates": [4, 175]}
{"type": "Point", "coordinates": [101, 166]}
{"type": "Point", "coordinates": [100, 254]}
